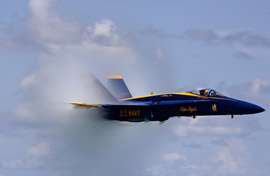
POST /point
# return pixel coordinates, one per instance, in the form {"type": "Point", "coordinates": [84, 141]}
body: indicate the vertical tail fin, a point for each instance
{"type": "Point", "coordinates": [117, 87]}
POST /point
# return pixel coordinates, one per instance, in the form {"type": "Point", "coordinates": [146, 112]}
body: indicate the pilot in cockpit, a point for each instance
{"type": "Point", "coordinates": [204, 92]}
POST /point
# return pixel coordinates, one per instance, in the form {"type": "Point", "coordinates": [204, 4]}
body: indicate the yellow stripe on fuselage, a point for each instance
{"type": "Point", "coordinates": [205, 97]}
{"type": "Point", "coordinates": [185, 94]}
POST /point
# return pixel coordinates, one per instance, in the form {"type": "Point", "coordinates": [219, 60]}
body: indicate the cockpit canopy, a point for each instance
{"type": "Point", "coordinates": [206, 92]}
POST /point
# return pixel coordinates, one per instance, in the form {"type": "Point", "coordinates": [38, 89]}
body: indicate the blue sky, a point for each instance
{"type": "Point", "coordinates": [49, 49]}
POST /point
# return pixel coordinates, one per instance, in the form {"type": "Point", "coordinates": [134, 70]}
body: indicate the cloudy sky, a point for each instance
{"type": "Point", "coordinates": [50, 48]}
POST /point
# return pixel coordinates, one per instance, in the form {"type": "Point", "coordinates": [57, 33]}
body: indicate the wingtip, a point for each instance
{"type": "Point", "coordinates": [85, 104]}
{"type": "Point", "coordinates": [78, 104]}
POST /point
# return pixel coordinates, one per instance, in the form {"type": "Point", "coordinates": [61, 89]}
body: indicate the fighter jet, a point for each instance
{"type": "Point", "coordinates": [160, 107]}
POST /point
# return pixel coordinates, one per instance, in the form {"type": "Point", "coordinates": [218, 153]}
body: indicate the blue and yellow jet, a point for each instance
{"type": "Point", "coordinates": [161, 107]}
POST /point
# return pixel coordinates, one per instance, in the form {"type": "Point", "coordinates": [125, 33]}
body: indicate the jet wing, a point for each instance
{"type": "Point", "coordinates": [109, 105]}
{"type": "Point", "coordinates": [143, 104]}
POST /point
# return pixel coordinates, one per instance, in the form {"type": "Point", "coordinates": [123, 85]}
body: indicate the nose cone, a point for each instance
{"type": "Point", "coordinates": [248, 108]}
{"type": "Point", "coordinates": [255, 108]}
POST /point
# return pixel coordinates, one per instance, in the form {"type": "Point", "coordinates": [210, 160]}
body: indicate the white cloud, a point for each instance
{"type": "Point", "coordinates": [210, 126]}
{"type": "Point", "coordinates": [158, 170]}
{"type": "Point", "coordinates": [47, 27]}
{"type": "Point", "coordinates": [248, 45]}
{"type": "Point", "coordinates": [171, 157]}
{"type": "Point", "coordinates": [243, 38]}
{"type": "Point", "coordinates": [159, 53]}
{"type": "Point", "coordinates": [71, 49]}
{"type": "Point", "coordinates": [175, 164]}
{"type": "Point", "coordinates": [183, 131]}
{"type": "Point", "coordinates": [258, 88]}
{"type": "Point", "coordinates": [29, 80]}
{"type": "Point", "coordinates": [36, 156]}
{"type": "Point", "coordinates": [231, 158]}
{"type": "Point", "coordinates": [228, 165]}
{"type": "Point", "coordinates": [40, 150]}
{"type": "Point", "coordinates": [42, 28]}
{"type": "Point", "coordinates": [25, 112]}
{"type": "Point", "coordinates": [259, 85]}
{"type": "Point", "coordinates": [98, 48]}
{"type": "Point", "coordinates": [40, 7]}
{"type": "Point", "coordinates": [19, 163]}
{"type": "Point", "coordinates": [237, 38]}
{"type": "Point", "coordinates": [104, 32]}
